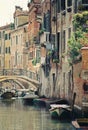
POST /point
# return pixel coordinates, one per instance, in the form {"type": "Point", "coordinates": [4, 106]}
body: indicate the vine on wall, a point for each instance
{"type": "Point", "coordinates": [79, 38]}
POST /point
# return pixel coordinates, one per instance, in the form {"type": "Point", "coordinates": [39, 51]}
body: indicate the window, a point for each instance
{"type": "Point", "coordinates": [63, 5]}
{"type": "Point", "coordinates": [53, 40]}
{"type": "Point", "coordinates": [27, 44]}
{"type": "Point", "coordinates": [69, 2]}
{"type": "Point", "coordinates": [30, 55]}
{"type": "Point", "coordinates": [9, 35]}
{"type": "Point", "coordinates": [85, 87]}
{"type": "Point", "coordinates": [38, 56]}
{"type": "Point", "coordinates": [47, 21]}
{"type": "Point", "coordinates": [6, 50]}
{"type": "Point", "coordinates": [53, 81]}
{"type": "Point", "coordinates": [63, 47]}
{"type": "Point", "coordinates": [58, 6]}
{"type": "Point", "coordinates": [54, 8]}
{"type": "Point", "coordinates": [16, 39]}
{"type": "Point", "coordinates": [47, 37]}
{"type": "Point", "coordinates": [3, 34]}
{"type": "Point", "coordinates": [84, 1]}
{"type": "Point", "coordinates": [6, 36]}
{"type": "Point", "coordinates": [16, 58]}
{"type": "Point", "coordinates": [69, 32]}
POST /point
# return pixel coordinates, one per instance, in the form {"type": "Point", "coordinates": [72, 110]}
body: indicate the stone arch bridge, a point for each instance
{"type": "Point", "coordinates": [23, 81]}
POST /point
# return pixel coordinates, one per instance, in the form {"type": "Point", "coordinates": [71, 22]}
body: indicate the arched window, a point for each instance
{"type": "Point", "coordinates": [85, 87]}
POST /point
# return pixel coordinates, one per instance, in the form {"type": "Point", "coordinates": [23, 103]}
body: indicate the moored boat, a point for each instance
{"type": "Point", "coordinates": [7, 95]}
{"type": "Point", "coordinates": [29, 97]}
{"type": "Point", "coordinates": [80, 124]}
{"type": "Point", "coordinates": [40, 102]}
{"type": "Point", "coordinates": [46, 102]}
{"type": "Point", "coordinates": [55, 101]}
{"type": "Point", "coordinates": [60, 111]}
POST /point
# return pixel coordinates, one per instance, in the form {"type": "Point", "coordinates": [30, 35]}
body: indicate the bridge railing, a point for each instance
{"type": "Point", "coordinates": [20, 72]}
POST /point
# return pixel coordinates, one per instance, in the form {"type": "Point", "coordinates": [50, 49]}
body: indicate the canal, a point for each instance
{"type": "Point", "coordinates": [15, 115]}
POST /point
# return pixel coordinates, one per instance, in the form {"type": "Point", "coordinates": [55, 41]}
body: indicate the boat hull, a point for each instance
{"type": "Point", "coordinates": [40, 102]}
{"type": "Point", "coordinates": [56, 112]}
{"type": "Point", "coordinates": [55, 101]}
{"type": "Point", "coordinates": [60, 112]}
{"type": "Point", "coordinates": [80, 124]}
{"type": "Point", "coordinates": [8, 95]}
{"type": "Point", "coordinates": [28, 99]}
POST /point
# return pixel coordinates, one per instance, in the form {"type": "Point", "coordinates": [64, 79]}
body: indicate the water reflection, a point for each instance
{"type": "Point", "coordinates": [17, 116]}
{"type": "Point", "coordinates": [7, 102]}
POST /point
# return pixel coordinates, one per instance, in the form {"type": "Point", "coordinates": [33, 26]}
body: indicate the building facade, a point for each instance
{"type": "Point", "coordinates": [34, 8]}
{"type": "Point", "coordinates": [39, 44]}
{"type": "Point", "coordinates": [5, 46]}
{"type": "Point", "coordinates": [57, 29]}
{"type": "Point", "coordinates": [19, 40]}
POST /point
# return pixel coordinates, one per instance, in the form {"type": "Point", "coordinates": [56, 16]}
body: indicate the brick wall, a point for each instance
{"type": "Point", "coordinates": [78, 84]}
{"type": "Point", "coordinates": [85, 58]}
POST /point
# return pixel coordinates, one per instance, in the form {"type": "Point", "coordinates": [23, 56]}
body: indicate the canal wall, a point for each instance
{"type": "Point", "coordinates": [59, 83]}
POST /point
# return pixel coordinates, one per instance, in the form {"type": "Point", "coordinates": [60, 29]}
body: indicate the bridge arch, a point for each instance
{"type": "Point", "coordinates": [20, 80]}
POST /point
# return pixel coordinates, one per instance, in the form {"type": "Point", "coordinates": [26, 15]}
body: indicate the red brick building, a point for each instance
{"type": "Point", "coordinates": [34, 8]}
{"type": "Point", "coordinates": [81, 80]}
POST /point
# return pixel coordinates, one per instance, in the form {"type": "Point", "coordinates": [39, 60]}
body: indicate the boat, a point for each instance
{"type": "Point", "coordinates": [63, 109]}
{"type": "Point", "coordinates": [7, 95]}
{"type": "Point", "coordinates": [55, 101]}
{"type": "Point", "coordinates": [80, 124]}
{"type": "Point", "coordinates": [40, 102]}
{"type": "Point", "coordinates": [46, 102]}
{"type": "Point", "coordinates": [29, 97]}
{"type": "Point", "coordinates": [60, 111]}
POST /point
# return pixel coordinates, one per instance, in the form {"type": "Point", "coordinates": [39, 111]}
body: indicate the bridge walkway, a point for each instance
{"type": "Point", "coordinates": [21, 80]}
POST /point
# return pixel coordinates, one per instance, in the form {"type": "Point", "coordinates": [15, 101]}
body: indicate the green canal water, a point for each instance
{"type": "Point", "coordinates": [15, 115]}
